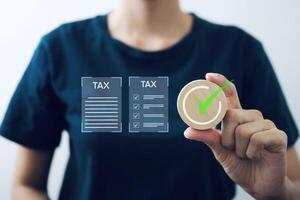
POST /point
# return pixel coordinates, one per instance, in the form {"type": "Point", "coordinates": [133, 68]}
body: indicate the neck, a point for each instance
{"type": "Point", "coordinates": [149, 16]}
{"type": "Point", "coordinates": [149, 24]}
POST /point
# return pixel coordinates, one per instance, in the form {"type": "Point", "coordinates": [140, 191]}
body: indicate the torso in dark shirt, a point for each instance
{"type": "Point", "coordinates": [143, 165]}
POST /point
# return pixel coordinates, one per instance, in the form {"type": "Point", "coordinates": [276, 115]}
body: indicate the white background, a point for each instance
{"type": "Point", "coordinates": [275, 22]}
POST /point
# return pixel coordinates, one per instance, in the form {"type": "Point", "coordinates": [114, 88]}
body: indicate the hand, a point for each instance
{"type": "Point", "coordinates": [250, 148]}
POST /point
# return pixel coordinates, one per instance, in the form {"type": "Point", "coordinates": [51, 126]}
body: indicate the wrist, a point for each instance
{"type": "Point", "coordinates": [287, 191]}
{"type": "Point", "coordinates": [281, 194]}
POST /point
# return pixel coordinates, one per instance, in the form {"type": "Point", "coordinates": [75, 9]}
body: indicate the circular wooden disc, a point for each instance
{"type": "Point", "coordinates": [196, 93]}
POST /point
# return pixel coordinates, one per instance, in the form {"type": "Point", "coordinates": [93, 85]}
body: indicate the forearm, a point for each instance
{"type": "Point", "coordinates": [21, 192]}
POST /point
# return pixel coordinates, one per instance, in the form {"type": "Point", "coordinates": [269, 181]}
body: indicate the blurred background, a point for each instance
{"type": "Point", "coordinates": [22, 23]}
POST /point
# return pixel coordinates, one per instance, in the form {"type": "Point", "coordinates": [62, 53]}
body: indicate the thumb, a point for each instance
{"type": "Point", "coordinates": [210, 137]}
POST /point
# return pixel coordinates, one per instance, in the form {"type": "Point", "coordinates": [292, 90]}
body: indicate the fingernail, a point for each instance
{"type": "Point", "coordinates": [185, 132]}
{"type": "Point", "coordinates": [212, 74]}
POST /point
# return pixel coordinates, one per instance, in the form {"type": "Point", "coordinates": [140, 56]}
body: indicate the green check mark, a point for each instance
{"type": "Point", "coordinates": [203, 106]}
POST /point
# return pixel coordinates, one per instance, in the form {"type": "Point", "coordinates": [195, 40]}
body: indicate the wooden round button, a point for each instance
{"type": "Point", "coordinates": [201, 104]}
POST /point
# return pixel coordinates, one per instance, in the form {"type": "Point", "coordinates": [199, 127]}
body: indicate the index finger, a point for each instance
{"type": "Point", "coordinates": [230, 91]}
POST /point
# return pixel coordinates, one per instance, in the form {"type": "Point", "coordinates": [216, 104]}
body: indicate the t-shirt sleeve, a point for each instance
{"type": "Point", "coordinates": [34, 117]}
{"type": "Point", "coordinates": [262, 91]}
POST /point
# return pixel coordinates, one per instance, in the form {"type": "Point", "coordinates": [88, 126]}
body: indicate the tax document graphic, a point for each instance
{"type": "Point", "coordinates": [148, 104]}
{"type": "Point", "coordinates": [101, 104]}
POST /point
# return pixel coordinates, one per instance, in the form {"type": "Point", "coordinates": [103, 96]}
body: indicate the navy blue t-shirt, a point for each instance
{"type": "Point", "coordinates": [143, 165]}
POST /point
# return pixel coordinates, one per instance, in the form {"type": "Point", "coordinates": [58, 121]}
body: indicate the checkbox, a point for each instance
{"type": "Point", "coordinates": [136, 124]}
{"type": "Point", "coordinates": [136, 106]}
{"type": "Point", "coordinates": [136, 97]}
{"type": "Point", "coordinates": [136, 115]}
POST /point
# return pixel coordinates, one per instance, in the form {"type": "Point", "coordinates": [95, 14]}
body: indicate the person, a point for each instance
{"type": "Point", "coordinates": [254, 148]}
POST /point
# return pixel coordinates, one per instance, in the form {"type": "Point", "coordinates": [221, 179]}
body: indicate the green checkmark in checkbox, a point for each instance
{"type": "Point", "coordinates": [203, 106]}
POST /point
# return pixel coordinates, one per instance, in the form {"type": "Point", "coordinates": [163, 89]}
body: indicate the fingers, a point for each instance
{"type": "Point", "coordinates": [244, 132]}
{"type": "Point", "coordinates": [210, 137]}
{"type": "Point", "coordinates": [234, 118]}
{"type": "Point", "coordinates": [251, 139]}
{"type": "Point", "coordinates": [272, 140]}
{"type": "Point", "coordinates": [247, 133]}
{"type": "Point", "coordinates": [230, 91]}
